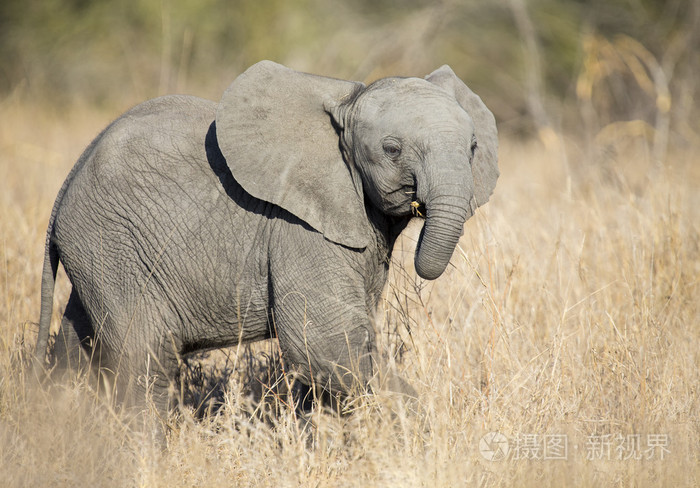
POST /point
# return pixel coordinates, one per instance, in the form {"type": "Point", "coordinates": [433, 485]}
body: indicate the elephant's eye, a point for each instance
{"type": "Point", "coordinates": [474, 145]}
{"type": "Point", "coordinates": [391, 148]}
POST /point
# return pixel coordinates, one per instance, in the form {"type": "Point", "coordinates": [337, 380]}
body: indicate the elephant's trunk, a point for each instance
{"type": "Point", "coordinates": [446, 213]}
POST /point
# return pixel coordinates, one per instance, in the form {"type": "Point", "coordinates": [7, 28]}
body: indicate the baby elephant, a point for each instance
{"type": "Point", "coordinates": [188, 225]}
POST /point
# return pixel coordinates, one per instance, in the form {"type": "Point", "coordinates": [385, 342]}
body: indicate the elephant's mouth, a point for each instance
{"type": "Point", "coordinates": [416, 206]}
{"type": "Point", "coordinates": [402, 202]}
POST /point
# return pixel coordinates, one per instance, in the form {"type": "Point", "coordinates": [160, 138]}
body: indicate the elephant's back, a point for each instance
{"type": "Point", "coordinates": [140, 169]}
{"type": "Point", "coordinates": [166, 129]}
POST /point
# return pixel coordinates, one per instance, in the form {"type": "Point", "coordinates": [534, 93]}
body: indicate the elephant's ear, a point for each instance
{"type": "Point", "coordinates": [281, 146]}
{"type": "Point", "coordinates": [485, 163]}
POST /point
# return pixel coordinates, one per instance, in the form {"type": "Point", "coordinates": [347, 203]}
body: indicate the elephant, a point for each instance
{"type": "Point", "coordinates": [189, 225]}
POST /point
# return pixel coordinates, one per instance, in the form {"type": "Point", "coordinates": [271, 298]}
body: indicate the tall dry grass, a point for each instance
{"type": "Point", "coordinates": [570, 312]}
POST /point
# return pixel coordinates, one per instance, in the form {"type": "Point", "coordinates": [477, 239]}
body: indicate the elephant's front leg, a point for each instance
{"type": "Point", "coordinates": [324, 329]}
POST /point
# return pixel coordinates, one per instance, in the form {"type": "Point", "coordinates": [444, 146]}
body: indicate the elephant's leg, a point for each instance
{"type": "Point", "coordinates": [322, 319]}
{"type": "Point", "coordinates": [75, 347]}
{"type": "Point", "coordinates": [148, 375]}
{"type": "Point", "coordinates": [150, 386]}
{"type": "Point", "coordinates": [326, 340]}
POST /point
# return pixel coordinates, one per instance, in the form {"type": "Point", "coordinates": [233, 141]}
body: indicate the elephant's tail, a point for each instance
{"type": "Point", "coordinates": [48, 274]}
{"type": "Point", "coordinates": [51, 260]}
{"type": "Point", "coordinates": [48, 278]}
{"type": "Point", "coordinates": [48, 281]}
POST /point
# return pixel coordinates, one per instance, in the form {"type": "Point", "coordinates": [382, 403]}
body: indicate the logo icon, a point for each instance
{"type": "Point", "coordinates": [494, 446]}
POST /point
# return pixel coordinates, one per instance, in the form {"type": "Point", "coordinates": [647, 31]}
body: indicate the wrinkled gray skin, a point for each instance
{"type": "Point", "coordinates": [187, 225]}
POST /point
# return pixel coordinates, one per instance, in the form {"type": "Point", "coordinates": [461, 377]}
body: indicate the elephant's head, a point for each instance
{"type": "Point", "coordinates": [318, 146]}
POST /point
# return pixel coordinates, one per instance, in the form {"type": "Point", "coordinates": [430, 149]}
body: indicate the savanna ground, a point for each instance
{"type": "Point", "coordinates": [568, 322]}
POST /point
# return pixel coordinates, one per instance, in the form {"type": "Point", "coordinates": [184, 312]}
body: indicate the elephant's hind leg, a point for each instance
{"type": "Point", "coordinates": [147, 374]}
{"type": "Point", "coordinates": [78, 351]}
{"type": "Point", "coordinates": [75, 348]}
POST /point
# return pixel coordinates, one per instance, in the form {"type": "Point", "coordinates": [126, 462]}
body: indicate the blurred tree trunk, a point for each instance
{"type": "Point", "coordinates": [534, 84]}
{"type": "Point", "coordinates": [533, 66]}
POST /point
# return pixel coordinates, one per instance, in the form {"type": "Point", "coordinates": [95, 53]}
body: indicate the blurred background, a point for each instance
{"type": "Point", "coordinates": [571, 307]}
{"type": "Point", "coordinates": [600, 69]}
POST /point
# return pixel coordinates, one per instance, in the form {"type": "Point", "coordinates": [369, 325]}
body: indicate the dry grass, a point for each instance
{"type": "Point", "coordinates": [571, 309]}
